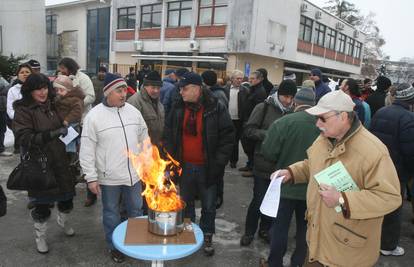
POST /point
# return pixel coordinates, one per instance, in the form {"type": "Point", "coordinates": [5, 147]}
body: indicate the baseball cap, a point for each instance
{"type": "Point", "coordinates": [190, 78]}
{"type": "Point", "coordinates": [336, 100]}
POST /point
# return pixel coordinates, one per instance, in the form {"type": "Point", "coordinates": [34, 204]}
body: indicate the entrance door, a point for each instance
{"type": "Point", "coordinates": [97, 38]}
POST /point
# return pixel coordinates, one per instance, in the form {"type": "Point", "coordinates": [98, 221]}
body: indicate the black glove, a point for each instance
{"type": "Point", "coordinates": [63, 131]}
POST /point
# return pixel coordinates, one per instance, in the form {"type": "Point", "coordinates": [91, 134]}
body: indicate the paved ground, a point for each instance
{"type": "Point", "coordinates": [87, 247]}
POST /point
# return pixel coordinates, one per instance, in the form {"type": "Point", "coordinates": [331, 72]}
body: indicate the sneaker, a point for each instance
{"type": "Point", "coordinates": [398, 251]}
{"type": "Point", "coordinates": [247, 174]}
{"type": "Point", "coordinates": [6, 154]}
{"type": "Point", "coordinates": [117, 256]}
{"type": "Point", "coordinates": [244, 169]}
{"type": "Point", "coordinates": [246, 240]}
{"type": "Point", "coordinates": [208, 245]}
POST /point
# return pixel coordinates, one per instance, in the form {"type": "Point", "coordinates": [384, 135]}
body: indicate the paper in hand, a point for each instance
{"type": "Point", "coordinates": [72, 134]}
{"type": "Point", "coordinates": [270, 203]}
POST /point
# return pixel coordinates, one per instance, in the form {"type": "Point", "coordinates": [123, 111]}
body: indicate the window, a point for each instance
{"type": "Point", "coordinates": [151, 16]}
{"type": "Point", "coordinates": [330, 38]}
{"type": "Point", "coordinates": [212, 12]}
{"type": "Point", "coordinates": [126, 18]}
{"type": "Point", "coordinates": [350, 46]}
{"type": "Point", "coordinates": [305, 30]}
{"type": "Point", "coordinates": [357, 51]}
{"type": "Point", "coordinates": [51, 24]}
{"type": "Point", "coordinates": [179, 13]}
{"type": "Point", "coordinates": [320, 30]}
{"type": "Point", "coordinates": [340, 43]}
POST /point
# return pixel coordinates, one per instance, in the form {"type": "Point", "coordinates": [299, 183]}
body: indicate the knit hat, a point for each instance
{"type": "Point", "coordinates": [316, 72]}
{"type": "Point", "coordinates": [209, 77]}
{"type": "Point", "coordinates": [404, 92]}
{"type": "Point", "coordinates": [34, 64]}
{"type": "Point", "coordinates": [112, 82]}
{"type": "Point", "coordinates": [190, 78]}
{"type": "Point", "coordinates": [64, 82]}
{"type": "Point", "coordinates": [333, 101]}
{"type": "Point", "coordinates": [287, 87]}
{"type": "Point", "coordinates": [153, 78]}
{"type": "Point", "coordinates": [308, 84]}
{"type": "Point", "coordinates": [180, 72]}
{"type": "Point", "coordinates": [305, 96]}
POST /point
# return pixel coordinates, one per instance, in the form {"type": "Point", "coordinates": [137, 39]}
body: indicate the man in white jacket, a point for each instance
{"type": "Point", "coordinates": [110, 130]}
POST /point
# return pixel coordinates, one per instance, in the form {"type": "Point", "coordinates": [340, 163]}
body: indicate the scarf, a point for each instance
{"type": "Point", "coordinates": [191, 123]}
{"type": "Point", "coordinates": [280, 105]}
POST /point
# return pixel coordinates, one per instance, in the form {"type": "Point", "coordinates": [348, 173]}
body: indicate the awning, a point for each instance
{"type": "Point", "coordinates": [182, 58]}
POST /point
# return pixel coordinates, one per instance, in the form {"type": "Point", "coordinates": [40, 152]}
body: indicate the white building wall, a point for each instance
{"type": "Point", "coordinates": [24, 28]}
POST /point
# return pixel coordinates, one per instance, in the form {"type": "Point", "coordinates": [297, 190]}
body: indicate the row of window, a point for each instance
{"type": "Point", "coordinates": [325, 36]}
{"type": "Point", "coordinates": [179, 14]}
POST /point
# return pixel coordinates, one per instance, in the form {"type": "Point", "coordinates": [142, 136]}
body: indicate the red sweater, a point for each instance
{"type": "Point", "coordinates": [193, 145]}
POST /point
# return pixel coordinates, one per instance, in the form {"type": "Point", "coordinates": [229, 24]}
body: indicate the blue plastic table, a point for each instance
{"type": "Point", "coordinates": [155, 253]}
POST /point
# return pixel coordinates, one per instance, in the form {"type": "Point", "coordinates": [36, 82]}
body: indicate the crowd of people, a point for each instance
{"type": "Point", "coordinates": [200, 120]}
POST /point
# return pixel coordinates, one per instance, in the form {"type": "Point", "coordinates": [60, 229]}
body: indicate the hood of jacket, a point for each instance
{"type": "Point", "coordinates": [169, 80]}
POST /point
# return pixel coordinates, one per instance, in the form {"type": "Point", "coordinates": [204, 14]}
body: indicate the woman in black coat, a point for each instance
{"type": "Point", "coordinates": [37, 127]}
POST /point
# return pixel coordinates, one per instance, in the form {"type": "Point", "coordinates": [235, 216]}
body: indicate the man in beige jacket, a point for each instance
{"type": "Point", "coordinates": [352, 236]}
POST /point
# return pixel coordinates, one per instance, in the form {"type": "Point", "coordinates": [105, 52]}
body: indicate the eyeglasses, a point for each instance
{"type": "Point", "coordinates": [324, 119]}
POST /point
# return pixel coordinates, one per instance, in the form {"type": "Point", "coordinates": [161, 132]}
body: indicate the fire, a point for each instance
{"type": "Point", "coordinates": [160, 191]}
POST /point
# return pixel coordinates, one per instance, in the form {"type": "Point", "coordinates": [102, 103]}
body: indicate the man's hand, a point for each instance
{"type": "Point", "coordinates": [285, 173]}
{"type": "Point", "coordinates": [94, 187]}
{"type": "Point", "coordinates": [330, 195]}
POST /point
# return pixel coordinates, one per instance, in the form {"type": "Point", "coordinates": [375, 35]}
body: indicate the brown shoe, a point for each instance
{"type": "Point", "coordinates": [247, 174]}
{"type": "Point", "coordinates": [89, 202]}
{"type": "Point", "coordinates": [244, 169]}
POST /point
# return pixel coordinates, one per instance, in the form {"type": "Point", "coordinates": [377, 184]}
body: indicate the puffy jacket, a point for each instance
{"type": "Point", "coordinates": [394, 126]}
{"type": "Point", "coordinates": [32, 124]}
{"type": "Point", "coordinates": [107, 134]}
{"type": "Point", "coordinates": [152, 112]}
{"type": "Point", "coordinates": [321, 89]}
{"type": "Point", "coordinates": [168, 85]}
{"type": "Point", "coordinates": [263, 115]}
{"type": "Point", "coordinates": [218, 134]}
{"type": "Point", "coordinates": [352, 238]}
{"type": "Point", "coordinates": [85, 83]}
{"type": "Point", "coordinates": [13, 94]}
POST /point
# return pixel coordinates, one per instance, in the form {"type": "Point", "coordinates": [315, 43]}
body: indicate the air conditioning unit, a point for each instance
{"type": "Point", "coordinates": [194, 45]}
{"type": "Point", "coordinates": [356, 34]}
{"type": "Point", "coordinates": [339, 26]}
{"type": "Point", "coordinates": [318, 14]}
{"type": "Point", "coordinates": [303, 8]}
{"type": "Point", "coordinates": [138, 45]}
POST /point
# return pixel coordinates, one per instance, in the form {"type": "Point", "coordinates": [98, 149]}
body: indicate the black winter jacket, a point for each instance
{"type": "Point", "coordinates": [249, 99]}
{"type": "Point", "coordinates": [218, 134]}
{"type": "Point", "coordinates": [376, 101]}
{"type": "Point", "coordinates": [394, 126]}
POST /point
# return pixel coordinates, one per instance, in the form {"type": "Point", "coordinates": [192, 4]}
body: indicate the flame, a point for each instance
{"type": "Point", "coordinates": [160, 191]}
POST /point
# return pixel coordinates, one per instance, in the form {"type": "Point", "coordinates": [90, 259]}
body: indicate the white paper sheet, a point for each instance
{"type": "Point", "coordinates": [72, 134]}
{"type": "Point", "coordinates": [270, 203]}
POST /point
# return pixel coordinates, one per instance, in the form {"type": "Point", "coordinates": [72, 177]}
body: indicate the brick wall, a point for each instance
{"type": "Point", "coordinates": [181, 32]}
{"type": "Point", "coordinates": [340, 57]}
{"type": "Point", "coordinates": [330, 54]}
{"type": "Point", "coordinates": [149, 34]}
{"type": "Point", "coordinates": [304, 46]}
{"type": "Point", "coordinates": [125, 35]}
{"type": "Point", "coordinates": [211, 31]}
{"type": "Point", "coordinates": [318, 51]}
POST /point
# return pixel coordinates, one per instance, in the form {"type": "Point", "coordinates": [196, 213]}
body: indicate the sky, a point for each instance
{"type": "Point", "coordinates": [393, 17]}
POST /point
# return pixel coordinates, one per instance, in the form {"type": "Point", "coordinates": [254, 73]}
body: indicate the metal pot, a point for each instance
{"type": "Point", "coordinates": [165, 223]}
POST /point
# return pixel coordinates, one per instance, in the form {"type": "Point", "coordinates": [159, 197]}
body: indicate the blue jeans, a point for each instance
{"type": "Point", "coordinates": [111, 195]}
{"type": "Point", "coordinates": [192, 183]}
{"type": "Point", "coordinates": [280, 229]}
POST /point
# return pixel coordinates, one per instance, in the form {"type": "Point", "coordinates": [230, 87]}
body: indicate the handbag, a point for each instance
{"type": "Point", "coordinates": [3, 202]}
{"type": "Point", "coordinates": [33, 173]}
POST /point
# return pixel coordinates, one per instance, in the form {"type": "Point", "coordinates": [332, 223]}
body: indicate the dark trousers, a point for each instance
{"type": "Point", "coordinates": [253, 213]}
{"type": "Point", "coordinates": [192, 183]}
{"type": "Point", "coordinates": [391, 227]}
{"type": "Point", "coordinates": [3, 128]}
{"type": "Point", "coordinates": [280, 229]}
{"type": "Point", "coordinates": [239, 131]}
{"type": "Point", "coordinates": [41, 212]}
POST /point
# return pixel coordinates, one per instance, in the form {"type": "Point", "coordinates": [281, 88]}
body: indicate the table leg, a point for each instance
{"type": "Point", "coordinates": [157, 263]}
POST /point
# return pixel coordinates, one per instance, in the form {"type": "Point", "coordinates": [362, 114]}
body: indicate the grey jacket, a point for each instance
{"type": "Point", "coordinates": [153, 113]}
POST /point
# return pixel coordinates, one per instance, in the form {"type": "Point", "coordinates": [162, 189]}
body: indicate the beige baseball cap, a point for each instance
{"type": "Point", "coordinates": [336, 100]}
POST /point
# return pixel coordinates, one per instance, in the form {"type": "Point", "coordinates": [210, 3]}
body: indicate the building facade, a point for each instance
{"type": "Point", "coordinates": [22, 29]}
{"type": "Point", "coordinates": [278, 35]}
